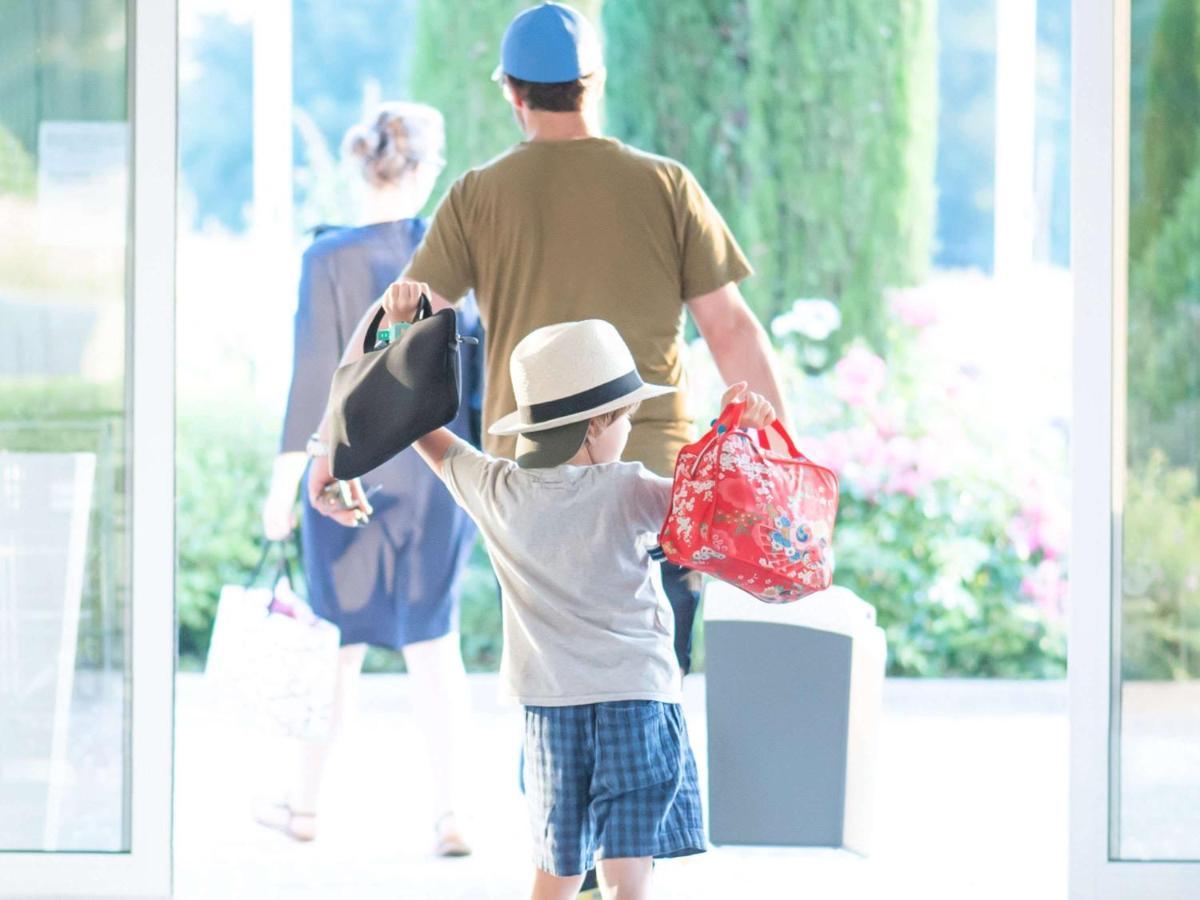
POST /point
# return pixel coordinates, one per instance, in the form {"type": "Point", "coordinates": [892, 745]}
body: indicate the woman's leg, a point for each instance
{"type": "Point", "coordinates": [442, 707]}
{"type": "Point", "coordinates": [627, 878]}
{"type": "Point", "coordinates": [555, 887]}
{"type": "Point", "coordinates": [315, 754]}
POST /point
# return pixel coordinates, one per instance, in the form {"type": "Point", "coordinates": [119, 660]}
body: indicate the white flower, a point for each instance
{"type": "Point", "coordinates": [815, 319]}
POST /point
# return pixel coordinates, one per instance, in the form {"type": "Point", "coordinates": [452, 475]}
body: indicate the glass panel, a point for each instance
{"type": "Point", "coordinates": [1156, 794]}
{"type": "Point", "coordinates": [64, 675]}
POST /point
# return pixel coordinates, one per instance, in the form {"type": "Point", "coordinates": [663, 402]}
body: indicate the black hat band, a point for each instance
{"type": "Point", "coordinates": [536, 413]}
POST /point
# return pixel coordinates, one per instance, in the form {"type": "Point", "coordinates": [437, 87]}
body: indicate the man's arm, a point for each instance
{"type": "Point", "coordinates": [738, 343]}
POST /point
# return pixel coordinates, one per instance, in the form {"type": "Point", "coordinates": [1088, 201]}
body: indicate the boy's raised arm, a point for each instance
{"type": "Point", "coordinates": [433, 448]}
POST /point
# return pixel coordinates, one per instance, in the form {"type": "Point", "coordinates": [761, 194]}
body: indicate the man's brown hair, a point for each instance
{"type": "Point", "coordinates": [557, 96]}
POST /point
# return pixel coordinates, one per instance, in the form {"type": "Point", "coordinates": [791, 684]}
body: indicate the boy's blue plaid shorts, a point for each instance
{"type": "Point", "coordinates": [610, 780]}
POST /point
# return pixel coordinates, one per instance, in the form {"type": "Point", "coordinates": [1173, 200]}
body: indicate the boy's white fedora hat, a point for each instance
{"type": "Point", "coordinates": [569, 373]}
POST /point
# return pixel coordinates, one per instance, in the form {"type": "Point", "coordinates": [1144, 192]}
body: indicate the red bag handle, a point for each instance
{"type": "Point", "coordinates": [731, 417]}
{"type": "Point", "coordinates": [729, 420]}
{"type": "Point", "coordinates": [778, 428]}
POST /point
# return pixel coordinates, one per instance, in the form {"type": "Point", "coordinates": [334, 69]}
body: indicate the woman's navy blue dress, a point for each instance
{"type": "Point", "coordinates": [397, 580]}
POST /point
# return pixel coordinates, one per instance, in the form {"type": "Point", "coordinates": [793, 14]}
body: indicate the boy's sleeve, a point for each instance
{"type": "Point", "coordinates": [443, 259]}
{"type": "Point", "coordinates": [470, 476]}
{"type": "Point", "coordinates": [652, 499]}
{"type": "Point", "coordinates": [709, 254]}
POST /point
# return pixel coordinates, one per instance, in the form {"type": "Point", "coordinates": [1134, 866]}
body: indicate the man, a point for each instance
{"type": "Point", "coordinates": [558, 226]}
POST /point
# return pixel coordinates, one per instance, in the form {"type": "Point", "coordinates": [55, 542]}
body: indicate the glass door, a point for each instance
{"type": "Point", "coordinates": [1135, 637]}
{"type": "Point", "coordinates": [87, 162]}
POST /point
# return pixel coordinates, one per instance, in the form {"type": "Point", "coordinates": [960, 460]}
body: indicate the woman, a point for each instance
{"type": "Point", "coordinates": [395, 582]}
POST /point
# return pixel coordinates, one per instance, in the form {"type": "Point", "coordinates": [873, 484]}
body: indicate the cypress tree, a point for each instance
{"type": "Point", "coordinates": [843, 113]}
{"type": "Point", "coordinates": [1170, 129]}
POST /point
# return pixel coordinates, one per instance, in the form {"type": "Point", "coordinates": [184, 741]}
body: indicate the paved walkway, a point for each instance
{"type": "Point", "coordinates": [972, 804]}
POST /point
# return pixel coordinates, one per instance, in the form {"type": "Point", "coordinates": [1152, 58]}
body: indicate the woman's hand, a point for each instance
{"type": "Point", "coordinates": [759, 413]}
{"type": "Point", "coordinates": [400, 301]}
{"type": "Point", "coordinates": [319, 477]}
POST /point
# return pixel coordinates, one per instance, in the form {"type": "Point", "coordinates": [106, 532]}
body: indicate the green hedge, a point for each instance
{"type": "Point", "coordinates": [1164, 334]}
{"type": "Point", "coordinates": [222, 470]}
{"type": "Point", "coordinates": [70, 415]}
{"type": "Point", "coordinates": [896, 551]}
{"type": "Point", "coordinates": [1161, 577]}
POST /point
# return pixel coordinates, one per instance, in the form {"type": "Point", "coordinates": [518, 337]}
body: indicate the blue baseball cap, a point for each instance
{"type": "Point", "coordinates": [548, 44]}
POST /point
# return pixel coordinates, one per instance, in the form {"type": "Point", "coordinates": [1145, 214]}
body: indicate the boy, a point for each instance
{"type": "Point", "coordinates": [609, 774]}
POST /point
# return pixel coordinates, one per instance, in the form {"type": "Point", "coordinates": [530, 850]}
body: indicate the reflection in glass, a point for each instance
{"type": "Point", "coordinates": [1157, 779]}
{"type": "Point", "coordinates": [64, 172]}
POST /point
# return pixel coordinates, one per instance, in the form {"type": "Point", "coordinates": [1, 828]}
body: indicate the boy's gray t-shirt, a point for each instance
{"type": "Point", "coordinates": [582, 620]}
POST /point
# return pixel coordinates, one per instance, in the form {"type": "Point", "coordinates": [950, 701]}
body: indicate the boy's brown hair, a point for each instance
{"type": "Point", "coordinates": [603, 420]}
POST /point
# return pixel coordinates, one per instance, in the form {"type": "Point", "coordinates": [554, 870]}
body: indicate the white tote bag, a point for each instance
{"type": "Point", "coordinates": [272, 663]}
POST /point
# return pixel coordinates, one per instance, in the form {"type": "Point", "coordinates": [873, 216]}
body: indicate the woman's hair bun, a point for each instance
{"type": "Point", "coordinates": [397, 137]}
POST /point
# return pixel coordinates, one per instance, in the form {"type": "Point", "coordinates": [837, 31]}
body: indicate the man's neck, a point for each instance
{"type": "Point", "coordinates": [559, 126]}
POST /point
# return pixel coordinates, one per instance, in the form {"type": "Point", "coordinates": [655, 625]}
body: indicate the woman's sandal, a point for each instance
{"type": "Point", "coordinates": [299, 826]}
{"type": "Point", "coordinates": [450, 842]}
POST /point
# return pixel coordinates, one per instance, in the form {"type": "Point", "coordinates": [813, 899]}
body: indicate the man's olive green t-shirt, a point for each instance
{"type": "Point", "coordinates": [557, 231]}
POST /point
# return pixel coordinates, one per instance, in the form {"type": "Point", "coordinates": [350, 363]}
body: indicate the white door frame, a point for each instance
{"type": "Point", "coordinates": [144, 871]}
{"type": "Point", "coordinates": [1099, 258]}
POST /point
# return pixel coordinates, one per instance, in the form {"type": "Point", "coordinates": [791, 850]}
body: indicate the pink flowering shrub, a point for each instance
{"type": "Point", "coordinates": [953, 523]}
{"type": "Point", "coordinates": [858, 377]}
{"type": "Point", "coordinates": [1046, 585]}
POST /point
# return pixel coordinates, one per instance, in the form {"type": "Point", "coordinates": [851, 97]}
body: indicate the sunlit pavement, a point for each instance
{"type": "Point", "coordinates": [972, 803]}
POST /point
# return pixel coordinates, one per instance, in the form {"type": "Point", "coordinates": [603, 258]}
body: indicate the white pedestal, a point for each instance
{"type": "Point", "coordinates": [795, 695]}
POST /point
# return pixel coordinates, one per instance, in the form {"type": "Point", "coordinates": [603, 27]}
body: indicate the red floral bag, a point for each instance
{"type": "Point", "coordinates": [751, 516]}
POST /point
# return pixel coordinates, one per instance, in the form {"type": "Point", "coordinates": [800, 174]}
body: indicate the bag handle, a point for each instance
{"type": "Point", "coordinates": [723, 424]}
{"type": "Point", "coordinates": [731, 418]}
{"type": "Point", "coordinates": [424, 311]}
{"type": "Point", "coordinates": [728, 422]}
{"type": "Point", "coordinates": [282, 568]}
{"type": "Point", "coordinates": [778, 428]}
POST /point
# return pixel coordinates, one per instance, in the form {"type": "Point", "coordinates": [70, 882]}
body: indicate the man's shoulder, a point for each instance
{"type": "Point", "coordinates": [638, 162]}
{"type": "Point", "coordinates": [610, 151]}
{"type": "Point", "coordinates": [651, 161]}
{"type": "Point", "coordinates": [492, 170]}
